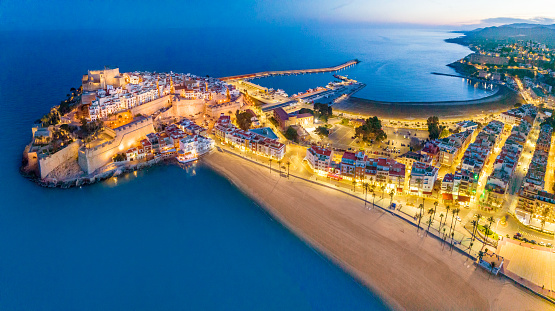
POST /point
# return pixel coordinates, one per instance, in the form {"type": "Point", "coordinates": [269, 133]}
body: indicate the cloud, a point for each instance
{"type": "Point", "coordinates": [342, 5]}
{"type": "Point", "coordinates": [512, 20]}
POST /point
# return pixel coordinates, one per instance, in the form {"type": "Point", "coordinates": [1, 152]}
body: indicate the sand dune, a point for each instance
{"type": "Point", "coordinates": [385, 253]}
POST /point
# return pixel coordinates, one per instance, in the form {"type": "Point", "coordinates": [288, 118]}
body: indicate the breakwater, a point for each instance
{"type": "Point", "coordinates": [291, 72]}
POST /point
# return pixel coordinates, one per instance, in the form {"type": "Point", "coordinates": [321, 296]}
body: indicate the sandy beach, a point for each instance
{"type": "Point", "coordinates": [410, 272]}
{"type": "Point", "coordinates": [503, 99]}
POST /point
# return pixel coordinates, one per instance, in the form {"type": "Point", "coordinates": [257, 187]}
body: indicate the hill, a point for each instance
{"type": "Point", "coordinates": [508, 33]}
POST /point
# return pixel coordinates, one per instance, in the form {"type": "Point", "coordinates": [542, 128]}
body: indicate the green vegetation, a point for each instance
{"type": "Point", "coordinates": [89, 129]}
{"type": "Point", "coordinates": [274, 121]}
{"type": "Point", "coordinates": [371, 130]}
{"type": "Point", "coordinates": [550, 121]}
{"type": "Point", "coordinates": [345, 121]}
{"type": "Point", "coordinates": [51, 118]}
{"type": "Point", "coordinates": [120, 157]}
{"type": "Point", "coordinates": [434, 129]}
{"type": "Point", "coordinates": [291, 134]}
{"type": "Point", "coordinates": [322, 131]}
{"type": "Point", "coordinates": [489, 232]}
{"type": "Point", "coordinates": [322, 112]}
{"type": "Point", "coordinates": [73, 99]}
{"type": "Point", "coordinates": [243, 120]}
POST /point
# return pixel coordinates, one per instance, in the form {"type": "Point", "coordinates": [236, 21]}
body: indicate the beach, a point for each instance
{"type": "Point", "coordinates": [383, 252]}
{"type": "Point", "coordinates": [502, 100]}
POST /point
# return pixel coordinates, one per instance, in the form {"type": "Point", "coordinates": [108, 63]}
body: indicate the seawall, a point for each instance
{"type": "Point", "coordinates": [91, 159]}
{"type": "Point", "coordinates": [49, 163]}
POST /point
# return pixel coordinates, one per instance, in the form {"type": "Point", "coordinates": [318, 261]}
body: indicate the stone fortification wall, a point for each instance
{"type": "Point", "coordinates": [151, 107]}
{"type": "Point", "coordinates": [187, 107]}
{"type": "Point", "coordinates": [90, 159]}
{"type": "Point", "coordinates": [49, 163]}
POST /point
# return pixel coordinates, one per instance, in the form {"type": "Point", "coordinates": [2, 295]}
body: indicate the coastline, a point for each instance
{"type": "Point", "coordinates": [383, 252]}
{"type": "Point", "coordinates": [502, 100]}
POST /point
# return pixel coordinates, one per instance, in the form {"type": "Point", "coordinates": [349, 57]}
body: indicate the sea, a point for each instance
{"type": "Point", "coordinates": [168, 238]}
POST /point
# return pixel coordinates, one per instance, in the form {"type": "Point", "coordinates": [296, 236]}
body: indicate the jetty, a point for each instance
{"type": "Point", "coordinates": [291, 72]}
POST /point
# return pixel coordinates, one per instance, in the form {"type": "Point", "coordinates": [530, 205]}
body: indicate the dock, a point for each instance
{"type": "Point", "coordinates": [290, 72]}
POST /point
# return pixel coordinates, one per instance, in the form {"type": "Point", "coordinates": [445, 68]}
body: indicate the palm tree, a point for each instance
{"type": "Point", "coordinates": [391, 194]}
{"type": "Point", "coordinates": [453, 212]}
{"type": "Point", "coordinates": [270, 164]}
{"type": "Point", "coordinates": [545, 215]}
{"type": "Point", "coordinates": [419, 216]}
{"type": "Point", "coordinates": [436, 203]}
{"type": "Point", "coordinates": [490, 220]}
{"type": "Point", "coordinates": [383, 190]}
{"type": "Point", "coordinates": [365, 185]}
{"type": "Point", "coordinates": [279, 166]}
{"type": "Point", "coordinates": [373, 195]}
{"type": "Point", "coordinates": [474, 227]}
{"type": "Point", "coordinates": [354, 184]}
{"type": "Point", "coordinates": [492, 264]}
{"type": "Point", "coordinates": [440, 220]}
{"type": "Point", "coordinates": [288, 163]}
{"type": "Point", "coordinates": [419, 184]}
{"type": "Point", "coordinates": [431, 212]}
{"type": "Point", "coordinates": [456, 212]}
{"type": "Point", "coordinates": [470, 246]}
{"type": "Point", "coordinates": [487, 231]}
{"type": "Point", "coordinates": [446, 214]}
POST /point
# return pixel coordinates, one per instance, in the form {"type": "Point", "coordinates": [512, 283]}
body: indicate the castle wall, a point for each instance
{"type": "Point", "coordinates": [151, 107]}
{"type": "Point", "coordinates": [126, 136]}
{"type": "Point", "coordinates": [49, 163]}
{"type": "Point", "coordinates": [187, 107]}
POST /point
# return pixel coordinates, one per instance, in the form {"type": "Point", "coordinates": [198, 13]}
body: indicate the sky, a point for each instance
{"type": "Point", "coordinates": [136, 14]}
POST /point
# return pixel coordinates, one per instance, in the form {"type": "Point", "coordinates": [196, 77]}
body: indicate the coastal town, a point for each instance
{"type": "Point", "coordinates": [483, 184]}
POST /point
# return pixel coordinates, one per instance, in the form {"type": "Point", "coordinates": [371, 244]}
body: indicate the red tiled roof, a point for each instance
{"type": "Point", "coordinates": [349, 156]}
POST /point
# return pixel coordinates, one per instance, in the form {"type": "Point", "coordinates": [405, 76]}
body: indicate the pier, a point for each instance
{"type": "Point", "coordinates": [290, 72]}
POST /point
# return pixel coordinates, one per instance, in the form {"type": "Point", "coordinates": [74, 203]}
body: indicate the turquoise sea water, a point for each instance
{"type": "Point", "coordinates": [168, 238]}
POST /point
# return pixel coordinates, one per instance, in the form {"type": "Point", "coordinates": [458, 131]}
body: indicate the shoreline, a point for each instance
{"type": "Point", "coordinates": [501, 100]}
{"type": "Point", "coordinates": [402, 269]}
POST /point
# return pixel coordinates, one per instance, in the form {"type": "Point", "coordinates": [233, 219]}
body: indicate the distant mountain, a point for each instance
{"type": "Point", "coordinates": [508, 33]}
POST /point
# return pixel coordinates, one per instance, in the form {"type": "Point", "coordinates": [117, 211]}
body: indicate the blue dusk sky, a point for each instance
{"type": "Point", "coordinates": [130, 14]}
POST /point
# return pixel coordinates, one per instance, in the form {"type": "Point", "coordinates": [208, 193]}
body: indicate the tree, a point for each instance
{"type": "Point", "coordinates": [279, 166]}
{"type": "Point", "coordinates": [490, 220]}
{"type": "Point", "coordinates": [366, 186]}
{"type": "Point", "coordinates": [391, 194]}
{"type": "Point", "coordinates": [270, 160]}
{"type": "Point", "coordinates": [291, 134]}
{"type": "Point", "coordinates": [431, 213]}
{"type": "Point", "coordinates": [492, 264]}
{"type": "Point", "coordinates": [373, 195]}
{"type": "Point", "coordinates": [419, 216]}
{"type": "Point", "coordinates": [288, 163]}
{"type": "Point", "coordinates": [545, 214]}
{"type": "Point", "coordinates": [434, 129]}
{"type": "Point", "coordinates": [322, 112]}
{"type": "Point", "coordinates": [371, 130]}
{"type": "Point", "coordinates": [354, 184]}
{"type": "Point", "coordinates": [322, 131]}
{"type": "Point", "coordinates": [446, 214]}
{"type": "Point", "coordinates": [243, 119]}
{"type": "Point", "coordinates": [383, 190]}
{"type": "Point", "coordinates": [474, 226]}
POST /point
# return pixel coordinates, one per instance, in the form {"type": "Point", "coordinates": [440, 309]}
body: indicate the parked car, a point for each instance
{"type": "Point", "coordinates": [549, 245]}
{"type": "Point", "coordinates": [541, 243]}
{"type": "Point", "coordinates": [533, 242]}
